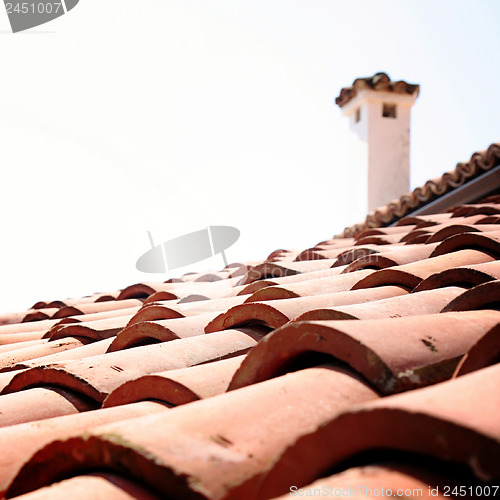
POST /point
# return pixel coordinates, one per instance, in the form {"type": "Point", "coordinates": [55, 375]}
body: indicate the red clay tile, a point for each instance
{"type": "Point", "coordinates": [485, 242]}
{"type": "Point", "coordinates": [453, 229]}
{"type": "Point", "coordinates": [92, 330]}
{"type": "Point", "coordinates": [306, 288]}
{"type": "Point", "coordinates": [395, 257]}
{"type": "Point", "coordinates": [415, 304]}
{"type": "Point", "coordinates": [350, 255]}
{"type": "Point", "coordinates": [394, 355]}
{"type": "Point", "coordinates": [21, 345]}
{"type": "Point", "coordinates": [167, 310]}
{"type": "Point", "coordinates": [213, 448]}
{"type": "Point", "coordinates": [278, 312]}
{"type": "Point", "coordinates": [94, 486]}
{"type": "Point", "coordinates": [485, 296]}
{"type": "Point", "coordinates": [482, 208]}
{"type": "Point", "coordinates": [40, 403]}
{"type": "Point", "coordinates": [143, 290]}
{"type": "Point", "coordinates": [36, 326]}
{"type": "Point", "coordinates": [85, 351]}
{"type": "Point", "coordinates": [454, 421]}
{"type": "Point", "coordinates": [485, 352]}
{"type": "Point", "coordinates": [178, 387]}
{"type": "Point", "coordinates": [19, 442]}
{"type": "Point", "coordinates": [410, 275]}
{"type": "Point", "coordinates": [37, 351]}
{"type": "Point", "coordinates": [281, 269]}
{"type": "Point", "coordinates": [387, 239]}
{"type": "Point", "coordinates": [464, 276]}
{"type": "Point", "coordinates": [97, 376]}
{"type": "Point", "coordinates": [148, 332]}
{"type": "Point", "coordinates": [26, 316]}
{"type": "Point", "coordinates": [14, 338]}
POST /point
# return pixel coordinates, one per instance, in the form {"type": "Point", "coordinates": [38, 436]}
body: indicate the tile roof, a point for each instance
{"type": "Point", "coordinates": [380, 82]}
{"type": "Point", "coordinates": [396, 211]}
{"type": "Point", "coordinates": [366, 362]}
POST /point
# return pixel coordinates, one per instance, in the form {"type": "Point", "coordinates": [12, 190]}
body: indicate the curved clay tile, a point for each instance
{"type": "Point", "coordinates": [429, 302]}
{"type": "Point", "coordinates": [164, 311]}
{"type": "Point", "coordinates": [18, 443]}
{"type": "Point", "coordinates": [40, 350]}
{"type": "Point", "coordinates": [420, 221]}
{"type": "Point", "coordinates": [354, 253]}
{"type": "Point", "coordinates": [485, 296]}
{"type": "Point", "coordinates": [485, 352]}
{"type": "Point", "coordinates": [475, 209]}
{"type": "Point", "coordinates": [317, 286]}
{"type": "Point", "coordinates": [397, 230]}
{"type": "Point", "coordinates": [410, 275]}
{"type": "Point", "coordinates": [485, 242]}
{"type": "Point", "coordinates": [142, 290]}
{"type": "Point", "coordinates": [178, 387]}
{"type": "Point", "coordinates": [464, 276]}
{"type": "Point", "coordinates": [432, 345]}
{"type": "Point", "coordinates": [278, 312]}
{"type": "Point", "coordinates": [93, 330]}
{"type": "Point", "coordinates": [396, 257]}
{"type": "Point", "coordinates": [40, 403]}
{"type": "Point", "coordinates": [13, 338]}
{"type": "Point", "coordinates": [281, 269]}
{"type": "Point", "coordinates": [10, 348]}
{"type": "Point", "coordinates": [85, 351]}
{"type": "Point", "coordinates": [98, 307]}
{"type": "Point", "coordinates": [28, 316]}
{"type": "Point", "coordinates": [453, 229]}
{"type": "Point", "coordinates": [442, 427]}
{"type": "Point", "coordinates": [216, 447]}
{"type": "Point", "coordinates": [95, 486]}
{"type": "Point", "coordinates": [97, 376]}
{"type": "Point", "coordinates": [35, 326]}
{"type": "Point", "coordinates": [490, 219]}
{"type": "Point", "coordinates": [318, 254]}
{"type": "Point", "coordinates": [148, 332]}
{"type": "Point", "coordinates": [386, 239]}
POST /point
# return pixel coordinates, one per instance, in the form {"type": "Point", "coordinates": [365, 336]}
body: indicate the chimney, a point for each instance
{"type": "Point", "coordinates": [379, 117]}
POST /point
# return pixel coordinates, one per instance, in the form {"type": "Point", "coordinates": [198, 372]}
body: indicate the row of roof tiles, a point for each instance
{"type": "Point", "coordinates": [370, 361]}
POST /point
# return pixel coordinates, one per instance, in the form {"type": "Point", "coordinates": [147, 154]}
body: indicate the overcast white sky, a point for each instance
{"type": "Point", "coordinates": [123, 117]}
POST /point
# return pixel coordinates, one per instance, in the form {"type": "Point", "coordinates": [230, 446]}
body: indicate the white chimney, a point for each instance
{"type": "Point", "coordinates": [379, 116]}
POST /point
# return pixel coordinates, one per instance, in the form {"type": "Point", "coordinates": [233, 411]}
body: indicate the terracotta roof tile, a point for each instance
{"type": "Point", "coordinates": [373, 348]}
{"type": "Point", "coordinates": [215, 447]}
{"type": "Point", "coordinates": [415, 304]}
{"type": "Point", "coordinates": [178, 387]}
{"type": "Point", "coordinates": [96, 486]}
{"type": "Point", "coordinates": [464, 276]}
{"type": "Point", "coordinates": [278, 312]}
{"type": "Point", "coordinates": [410, 275]}
{"type": "Point", "coordinates": [379, 81]}
{"type": "Point", "coordinates": [469, 434]}
{"type": "Point", "coordinates": [258, 406]}
{"type": "Point", "coordinates": [24, 439]}
{"type": "Point", "coordinates": [313, 286]}
{"type": "Point", "coordinates": [97, 376]}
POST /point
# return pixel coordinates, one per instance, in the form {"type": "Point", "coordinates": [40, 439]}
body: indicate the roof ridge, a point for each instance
{"type": "Point", "coordinates": [480, 162]}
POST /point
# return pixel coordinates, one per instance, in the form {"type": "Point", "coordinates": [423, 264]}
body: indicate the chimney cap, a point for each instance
{"type": "Point", "coordinates": [379, 81]}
